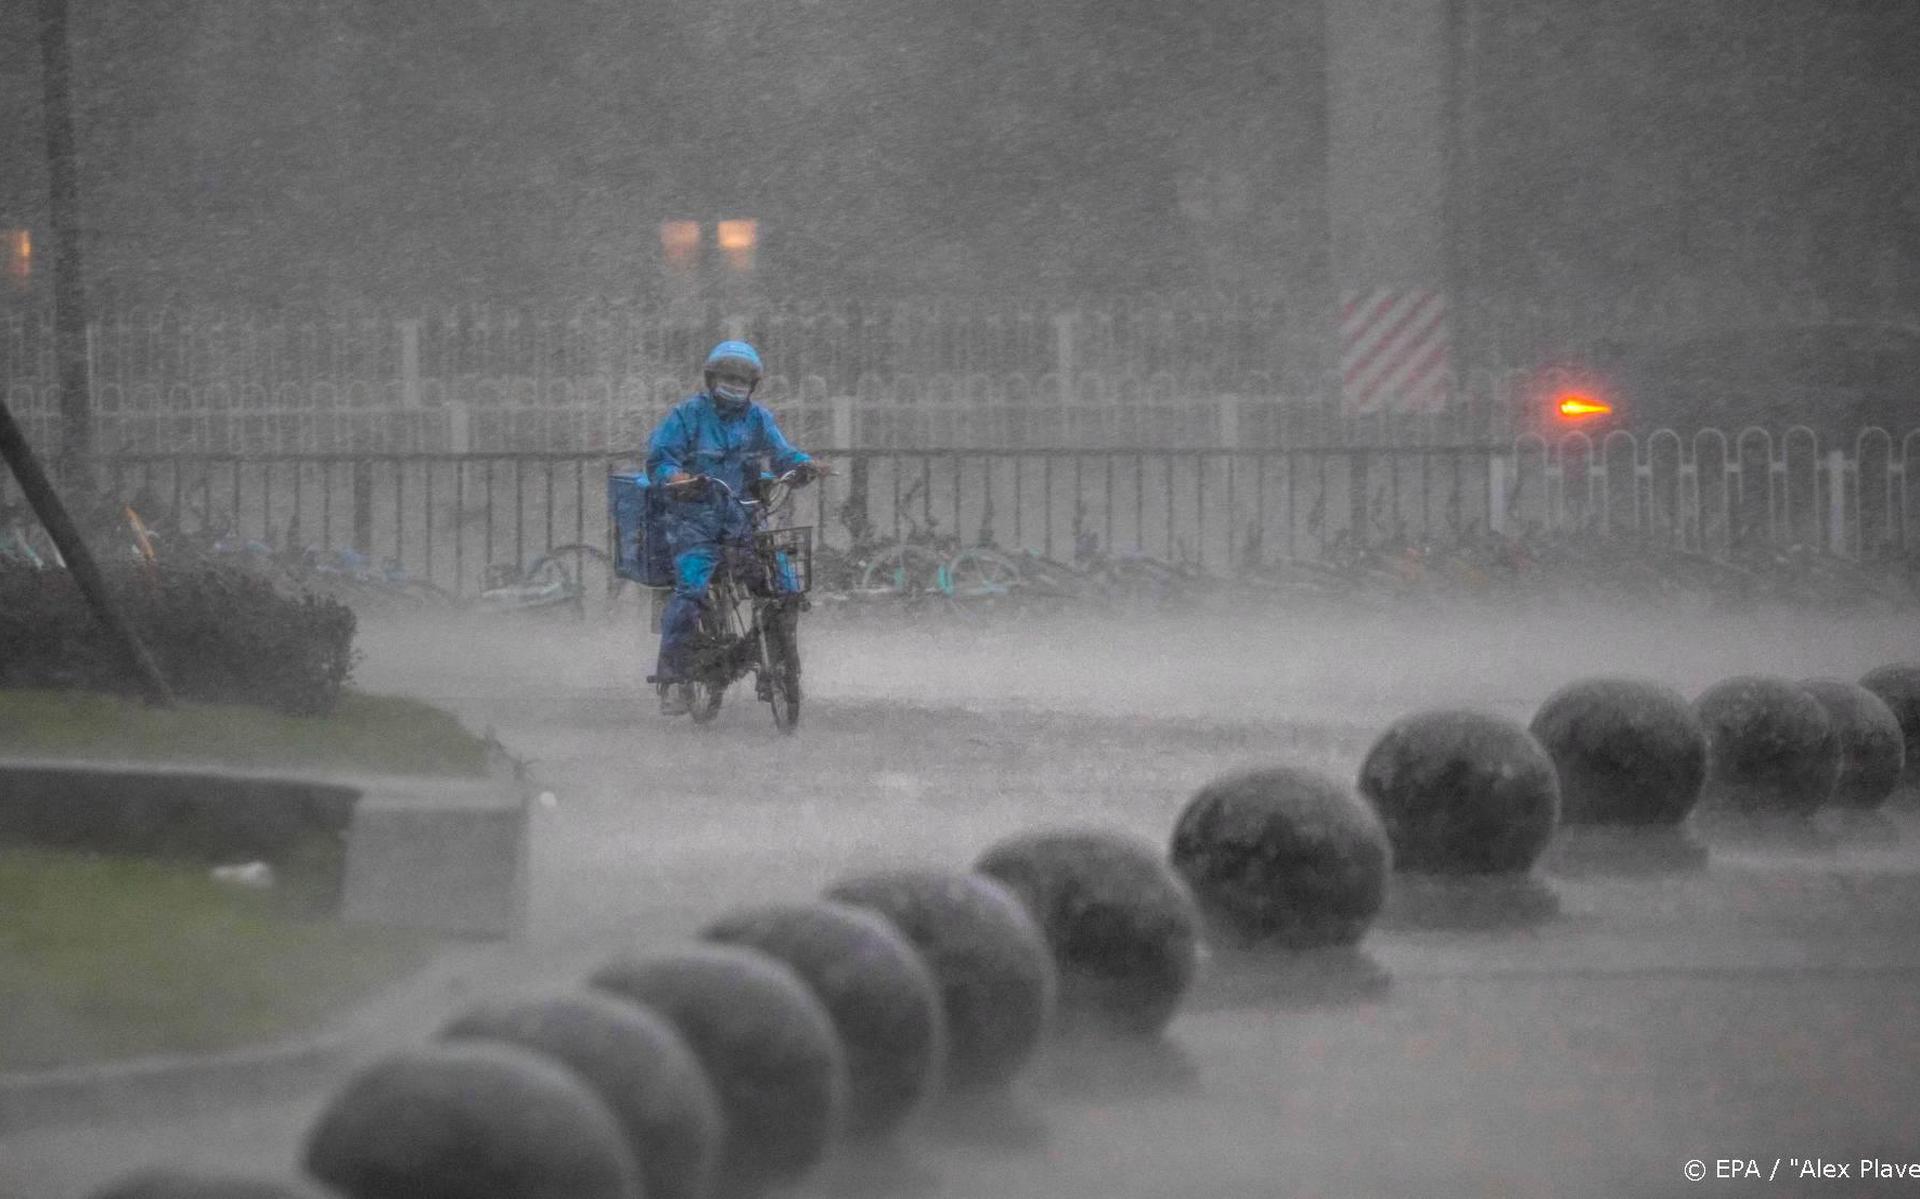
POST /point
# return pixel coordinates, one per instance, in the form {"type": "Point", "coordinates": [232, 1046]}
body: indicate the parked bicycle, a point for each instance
{"type": "Point", "coordinates": [23, 541]}
{"type": "Point", "coordinates": [575, 580]}
{"type": "Point", "coordinates": [750, 625]}
{"type": "Point", "coordinates": [905, 571]}
{"type": "Point", "coordinates": [982, 580]}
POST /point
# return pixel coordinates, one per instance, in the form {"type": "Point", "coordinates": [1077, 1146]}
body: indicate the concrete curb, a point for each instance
{"type": "Point", "coordinates": [174, 1084]}
{"type": "Point", "coordinates": [443, 854]}
{"type": "Point", "coordinates": [447, 855]}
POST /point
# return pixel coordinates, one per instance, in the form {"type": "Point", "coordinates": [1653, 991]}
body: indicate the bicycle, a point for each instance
{"type": "Point", "coordinates": [577, 579]}
{"type": "Point", "coordinates": [357, 580]}
{"type": "Point", "coordinates": [750, 623]}
{"type": "Point", "coordinates": [906, 570]}
{"type": "Point", "coordinates": [24, 542]}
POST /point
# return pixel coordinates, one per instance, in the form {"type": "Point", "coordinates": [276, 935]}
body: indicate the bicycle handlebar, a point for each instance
{"type": "Point", "coordinates": [758, 510]}
{"type": "Point", "coordinates": [797, 477]}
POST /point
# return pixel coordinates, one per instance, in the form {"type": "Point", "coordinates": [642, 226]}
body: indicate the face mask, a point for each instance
{"type": "Point", "coordinates": [732, 398]}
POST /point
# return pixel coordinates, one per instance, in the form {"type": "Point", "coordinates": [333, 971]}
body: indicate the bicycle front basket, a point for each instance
{"type": "Point", "coordinates": [786, 559]}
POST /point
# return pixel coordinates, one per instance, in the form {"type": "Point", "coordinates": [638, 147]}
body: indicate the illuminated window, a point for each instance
{"type": "Point", "coordinates": [737, 239]}
{"type": "Point", "coordinates": [680, 244]}
{"type": "Point", "coordinates": [19, 251]}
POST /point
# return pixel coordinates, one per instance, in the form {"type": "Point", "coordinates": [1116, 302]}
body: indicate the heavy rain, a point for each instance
{"type": "Point", "coordinates": [933, 599]}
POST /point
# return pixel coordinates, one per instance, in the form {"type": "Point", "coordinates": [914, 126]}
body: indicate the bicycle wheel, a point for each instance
{"type": "Point", "coordinates": [710, 675]}
{"type": "Point", "coordinates": [705, 704]}
{"type": "Point", "coordinates": [595, 591]}
{"type": "Point", "coordinates": [904, 572]}
{"type": "Point", "coordinates": [834, 570]}
{"type": "Point", "coordinates": [546, 586]}
{"type": "Point", "coordinates": [780, 664]}
{"type": "Point", "coordinates": [1136, 584]}
{"type": "Point", "coordinates": [1047, 579]}
{"type": "Point", "coordinates": [979, 581]}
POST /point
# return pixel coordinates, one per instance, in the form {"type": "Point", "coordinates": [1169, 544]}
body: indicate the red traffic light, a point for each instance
{"type": "Point", "coordinates": [1580, 406]}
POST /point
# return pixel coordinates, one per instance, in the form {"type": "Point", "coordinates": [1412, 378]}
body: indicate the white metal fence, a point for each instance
{"type": "Point", "coordinates": [490, 415]}
{"type": "Point", "coordinates": [1212, 342]}
{"type": "Point", "coordinates": [1160, 371]}
{"type": "Point", "coordinates": [1718, 489]}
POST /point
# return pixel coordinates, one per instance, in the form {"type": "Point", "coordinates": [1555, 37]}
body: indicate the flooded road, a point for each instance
{"type": "Point", "coordinates": [1762, 1008]}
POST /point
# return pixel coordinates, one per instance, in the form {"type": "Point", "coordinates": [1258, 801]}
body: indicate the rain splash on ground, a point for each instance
{"type": "Point", "coordinates": [1762, 1009]}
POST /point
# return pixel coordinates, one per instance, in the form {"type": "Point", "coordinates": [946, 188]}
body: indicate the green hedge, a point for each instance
{"type": "Point", "coordinates": [218, 635]}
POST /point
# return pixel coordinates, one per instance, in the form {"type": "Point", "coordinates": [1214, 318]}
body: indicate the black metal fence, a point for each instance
{"type": "Point", "coordinates": [448, 518]}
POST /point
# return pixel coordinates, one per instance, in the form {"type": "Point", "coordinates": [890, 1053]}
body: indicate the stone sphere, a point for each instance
{"type": "Point", "coordinates": [1462, 792]}
{"type": "Point", "coordinates": [1283, 856]}
{"type": "Point", "coordinates": [988, 961]}
{"type": "Point", "coordinates": [1626, 751]}
{"type": "Point", "coordinates": [1122, 928]}
{"type": "Point", "coordinates": [470, 1121]}
{"type": "Point", "coordinates": [637, 1064]}
{"type": "Point", "coordinates": [1872, 746]}
{"type": "Point", "coordinates": [873, 983]}
{"type": "Point", "coordinates": [1771, 749]}
{"type": "Point", "coordinates": [1899, 686]}
{"type": "Point", "coordinates": [768, 1046]}
{"type": "Point", "coordinates": [170, 1183]}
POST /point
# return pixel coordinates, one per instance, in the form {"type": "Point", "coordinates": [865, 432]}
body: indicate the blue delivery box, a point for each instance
{"type": "Point", "coordinates": [640, 551]}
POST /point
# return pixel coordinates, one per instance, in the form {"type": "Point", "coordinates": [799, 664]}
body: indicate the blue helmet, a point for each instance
{"type": "Point", "coordinates": [734, 349]}
{"type": "Point", "coordinates": [741, 362]}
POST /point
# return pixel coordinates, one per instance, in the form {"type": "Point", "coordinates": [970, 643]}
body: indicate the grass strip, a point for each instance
{"type": "Point", "coordinates": [370, 734]}
{"type": "Point", "coordinates": [104, 958]}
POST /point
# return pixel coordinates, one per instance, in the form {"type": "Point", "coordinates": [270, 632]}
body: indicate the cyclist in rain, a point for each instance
{"type": "Point", "coordinates": [722, 434]}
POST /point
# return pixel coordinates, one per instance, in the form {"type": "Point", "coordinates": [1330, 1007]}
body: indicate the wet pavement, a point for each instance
{"type": "Point", "coordinates": [1762, 1008]}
